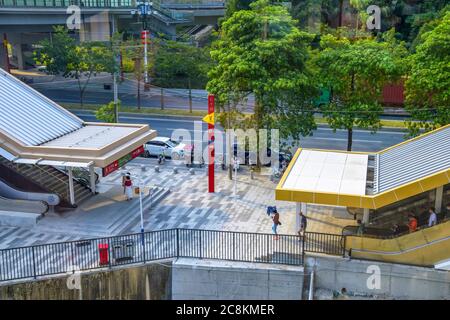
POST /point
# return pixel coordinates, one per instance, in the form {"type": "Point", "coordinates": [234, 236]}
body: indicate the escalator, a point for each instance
{"type": "Point", "coordinates": [20, 208]}
{"type": "Point", "coordinates": [425, 247]}
{"type": "Point", "coordinates": [11, 192]}
{"type": "Point", "coordinates": [26, 206]}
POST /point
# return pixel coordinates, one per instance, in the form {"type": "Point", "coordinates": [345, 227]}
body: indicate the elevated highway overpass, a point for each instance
{"type": "Point", "coordinates": [25, 22]}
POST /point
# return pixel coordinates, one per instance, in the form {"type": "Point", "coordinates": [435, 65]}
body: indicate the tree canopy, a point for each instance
{"type": "Point", "coordinates": [428, 84]}
{"type": "Point", "coordinates": [356, 71]}
{"type": "Point", "coordinates": [180, 65]}
{"type": "Point", "coordinates": [62, 55]}
{"type": "Point", "coordinates": [261, 52]}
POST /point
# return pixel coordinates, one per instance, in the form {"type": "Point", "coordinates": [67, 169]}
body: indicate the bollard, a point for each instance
{"type": "Point", "coordinates": [143, 168]}
{"type": "Point", "coordinates": [252, 174]}
{"type": "Point", "coordinates": [175, 170]}
{"type": "Point", "coordinates": [156, 168]}
{"type": "Point", "coordinates": [192, 171]}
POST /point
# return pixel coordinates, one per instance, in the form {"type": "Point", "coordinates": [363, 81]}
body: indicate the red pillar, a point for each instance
{"type": "Point", "coordinates": [211, 139]}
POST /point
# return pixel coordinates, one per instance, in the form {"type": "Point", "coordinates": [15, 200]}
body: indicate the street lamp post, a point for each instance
{"type": "Point", "coordinates": [236, 164]}
{"type": "Point", "coordinates": [144, 10]}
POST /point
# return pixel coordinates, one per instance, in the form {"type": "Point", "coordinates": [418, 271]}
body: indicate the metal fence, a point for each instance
{"type": "Point", "coordinates": [90, 254]}
{"type": "Point", "coordinates": [65, 3]}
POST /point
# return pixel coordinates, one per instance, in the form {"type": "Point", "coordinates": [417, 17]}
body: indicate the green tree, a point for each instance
{"type": "Point", "coordinates": [236, 5]}
{"type": "Point", "coordinates": [261, 52]}
{"type": "Point", "coordinates": [179, 65]}
{"type": "Point", "coordinates": [428, 84]}
{"type": "Point", "coordinates": [106, 113]}
{"type": "Point", "coordinates": [357, 71]}
{"type": "Point", "coordinates": [63, 56]}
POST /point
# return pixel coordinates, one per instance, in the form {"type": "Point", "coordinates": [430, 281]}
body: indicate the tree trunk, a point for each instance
{"type": "Point", "coordinates": [139, 94]}
{"type": "Point", "coordinates": [229, 151]}
{"type": "Point", "coordinates": [349, 139]}
{"type": "Point", "coordinates": [341, 12]}
{"type": "Point", "coordinates": [257, 115]}
{"type": "Point", "coordinates": [190, 95]}
{"type": "Point", "coordinates": [81, 93]}
{"type": "Point", "coordinates": [162, 98]}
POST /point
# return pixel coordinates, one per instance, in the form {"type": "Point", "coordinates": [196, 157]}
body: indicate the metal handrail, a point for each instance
{"type": "Point", "coordinates": [94, 253]}
{"type": "Point", "coordinates": [41, 169]}
{"type": "Point", "coordinates": [422, 226]}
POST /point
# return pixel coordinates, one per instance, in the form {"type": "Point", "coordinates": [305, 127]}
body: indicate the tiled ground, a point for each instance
{"type": "Point", "coordinates": [188, 205]}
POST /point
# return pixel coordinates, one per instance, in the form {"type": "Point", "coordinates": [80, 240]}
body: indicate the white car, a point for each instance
{"type": "Point", "coordinates": [160, 145]}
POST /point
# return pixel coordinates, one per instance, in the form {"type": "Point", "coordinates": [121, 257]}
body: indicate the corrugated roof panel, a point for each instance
{"type": "Point", "coordinates": [30, 117]}
{"type": "Point", "coordinates": [413, 160]}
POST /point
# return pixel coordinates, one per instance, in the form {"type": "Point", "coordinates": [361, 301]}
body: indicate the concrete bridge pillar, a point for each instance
{"type": "Point", "coordinates": [2, 54]}
{"type": "Point", "coordinates": [96, 28]}
{"type": "Point", "coordinates": [19, 56]}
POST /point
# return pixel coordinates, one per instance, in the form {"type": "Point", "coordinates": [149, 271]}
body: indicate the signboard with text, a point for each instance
{"type": "Point", "coordinates": [122, 161]}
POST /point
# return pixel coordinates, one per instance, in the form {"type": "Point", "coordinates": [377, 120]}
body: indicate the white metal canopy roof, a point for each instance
{"type": "Point", "coordinates": [334, 172]}
{"type": "Point", "coordinates": [91, 137]}
{"type": "Point", "coordinates": [35, 130]}
{"type": "Point", "coordinates": [30, 117]}
{"type": "Point", "coordinates": [411, 161]}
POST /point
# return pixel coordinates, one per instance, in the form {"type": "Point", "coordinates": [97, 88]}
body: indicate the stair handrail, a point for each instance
{"type": "Point", "coordinates": [66, 196]}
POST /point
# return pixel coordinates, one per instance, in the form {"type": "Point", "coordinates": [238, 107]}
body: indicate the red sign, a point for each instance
{"type": "Point", "coordinates": [120, 162]}
{"type": "Point", "coordinates": [211, 146]}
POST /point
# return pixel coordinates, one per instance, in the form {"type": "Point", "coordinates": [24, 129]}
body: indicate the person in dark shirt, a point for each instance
{"type": "Point", "coordinates": [276, 223]}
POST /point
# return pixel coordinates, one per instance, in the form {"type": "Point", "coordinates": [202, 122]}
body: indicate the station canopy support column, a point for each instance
{"type": "Point", "coordinates": [92, 178]}
{"type": "Point", "coordinates": [438, 200]}
{"type": "Point", "coordinates": [366, 216]}
{"type": "Point", "coordinates": [71, 188]}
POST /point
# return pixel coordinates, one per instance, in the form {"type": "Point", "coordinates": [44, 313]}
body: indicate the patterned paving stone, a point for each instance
{"type": "Point", "coordinates": [188, 205]}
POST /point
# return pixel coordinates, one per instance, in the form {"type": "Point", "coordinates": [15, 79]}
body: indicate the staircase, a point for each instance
{"type": "Point", "coordinates": [52, 180]}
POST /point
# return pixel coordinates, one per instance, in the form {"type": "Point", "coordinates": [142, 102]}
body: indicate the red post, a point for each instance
{"type": "Point", "coordinates": [211, 139]}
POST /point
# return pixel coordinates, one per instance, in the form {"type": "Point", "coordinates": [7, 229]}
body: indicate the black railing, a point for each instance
{"type": "Point", "coordinates": [90, 254]}
{"type": "Point", "coordinates": [65, 3]}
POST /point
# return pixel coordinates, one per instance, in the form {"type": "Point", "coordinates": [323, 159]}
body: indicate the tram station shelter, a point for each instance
{"type": "Point", "coordinates": [372, 182]}
{"type": "Point", "coordinates": [35, 130]}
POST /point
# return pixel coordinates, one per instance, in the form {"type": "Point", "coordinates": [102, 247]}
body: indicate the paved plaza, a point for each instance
{"type": "Point", "coordinates": [179, 200]}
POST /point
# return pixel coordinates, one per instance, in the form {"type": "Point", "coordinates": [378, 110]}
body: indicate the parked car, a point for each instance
{"type": "Point", "coordinates": [284, 156]}
{"type": "Point", "coordinates": [160, 145]}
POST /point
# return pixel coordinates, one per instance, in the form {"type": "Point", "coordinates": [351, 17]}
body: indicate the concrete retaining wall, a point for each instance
{"type": "Point", "coordinates": [396, 281]}
{"type": "Point", "coordinates": [143, 282]}
{"type": "Point", "coordinates": [195, 279]}
{"type": "Point", "coordinates": [209, 279]}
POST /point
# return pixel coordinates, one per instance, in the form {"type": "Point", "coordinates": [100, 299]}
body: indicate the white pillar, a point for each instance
{"type": "Point", "coordinates": [92, 178]}
{"type": "Point", "coordinates": [438, 200]}
{"type": "Point", "coordinates": [298, 208]}
{"type": "Point", "coordinates": [366, 216]}
{"type": "Point", "coordinates": [304, 208]}
{"type": "Point", "coordinates": [71, 189]}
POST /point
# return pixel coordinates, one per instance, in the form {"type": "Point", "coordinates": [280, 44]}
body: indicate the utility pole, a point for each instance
{"type": "Point", "coordinates": [144, 9]}
{"type": "Point", "coordinates": [116, 63]}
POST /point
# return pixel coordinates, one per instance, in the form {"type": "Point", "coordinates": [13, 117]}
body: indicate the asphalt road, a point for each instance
{"type": "Point", "coordinates": [322, 138]}
{"type": "Point", "coordinates": [66, 91]}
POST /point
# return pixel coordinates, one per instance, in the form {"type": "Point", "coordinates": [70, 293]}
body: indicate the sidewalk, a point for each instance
{"type": "Point", "coordinates": [188, 205]}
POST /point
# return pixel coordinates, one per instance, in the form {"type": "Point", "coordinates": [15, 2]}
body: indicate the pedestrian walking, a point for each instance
{"type": "Point", "coordinates": [128, 188]}
{"type": "Point", "coordinates": [301, 223]}
{"type": "Point", "coordinates": [124, 178]}
{"type": "Point", "coordinates": [432, 220]}
{"type": "Point", "coordinates": [412, 224]}
{"type": "Point", "coordinates": [276, 223]}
